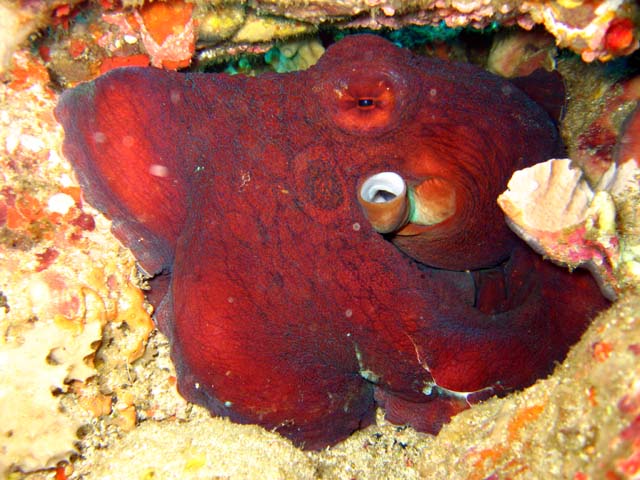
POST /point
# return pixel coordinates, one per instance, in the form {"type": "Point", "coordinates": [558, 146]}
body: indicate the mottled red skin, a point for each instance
{"type": "Point", "coordinates": [283, 306]}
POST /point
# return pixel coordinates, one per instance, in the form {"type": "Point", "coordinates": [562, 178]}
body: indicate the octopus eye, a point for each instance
{"type": "Point", "coordinates": [365, 103]}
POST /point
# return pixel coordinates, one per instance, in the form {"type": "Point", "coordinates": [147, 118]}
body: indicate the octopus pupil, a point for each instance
{"type": "Point", "coordinates": [365, 102]}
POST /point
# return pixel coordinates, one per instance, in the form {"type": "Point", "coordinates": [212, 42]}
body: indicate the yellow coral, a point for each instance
{"type": "Point", "coordinates": [570, 3]}
{"type": "Point", "coordinates": [131, 311]}
{"type": "Point", "coordinates": [263, 29]}
{"type": "Point", "coordinates": [220, 24]}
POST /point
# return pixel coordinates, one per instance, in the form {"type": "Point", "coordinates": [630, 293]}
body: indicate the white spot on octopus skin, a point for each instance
{"type": "Point", "coordinates": [99, 137]}
{"type": "Point", "coordinates": [245, 179]}
{"type": "Point", "coordinates": [506, 90]}
{"type": "Point", "coordinates": [159, 170]}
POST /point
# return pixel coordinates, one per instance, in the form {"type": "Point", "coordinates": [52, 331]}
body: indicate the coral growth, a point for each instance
{"type": "Point", "coordinates": [167, 32]}
{"type": "Point", "coordinates": [553, 208]}
{"type": "Point", "coordinates": [163, 31]}
{"type": "Point", "coordinates": [61, 283]}
{"type": "Point", "coordinates": [596, 29]}
{"type": "Point", "coordinates": [294, 56]}
{"type": "Point", "coordinates": [520, 53]}
{"type": "Point", "coordinates": [96, 36]}
{"type": "Point", "coordinates": [595, 146]}
{"type": "Point", "coordinates": [35, 361]}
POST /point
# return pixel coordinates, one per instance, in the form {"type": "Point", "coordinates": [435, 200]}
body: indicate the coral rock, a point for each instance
{"type": "Point", "coordinates": [32, 365]}
{"type": "Point", "coordinates": [554, 209]}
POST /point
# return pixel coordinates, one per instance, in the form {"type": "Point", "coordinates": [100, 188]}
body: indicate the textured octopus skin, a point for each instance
{"type": "Point", "coordinates": [284, 308]}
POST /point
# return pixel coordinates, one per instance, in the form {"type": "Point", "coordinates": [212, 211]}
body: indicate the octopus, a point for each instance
{"type": "Point", "coordinates": [326, 242]}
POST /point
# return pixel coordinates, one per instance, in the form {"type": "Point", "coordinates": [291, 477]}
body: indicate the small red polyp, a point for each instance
{"type": "Point", "coordinates": [620, 36]}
